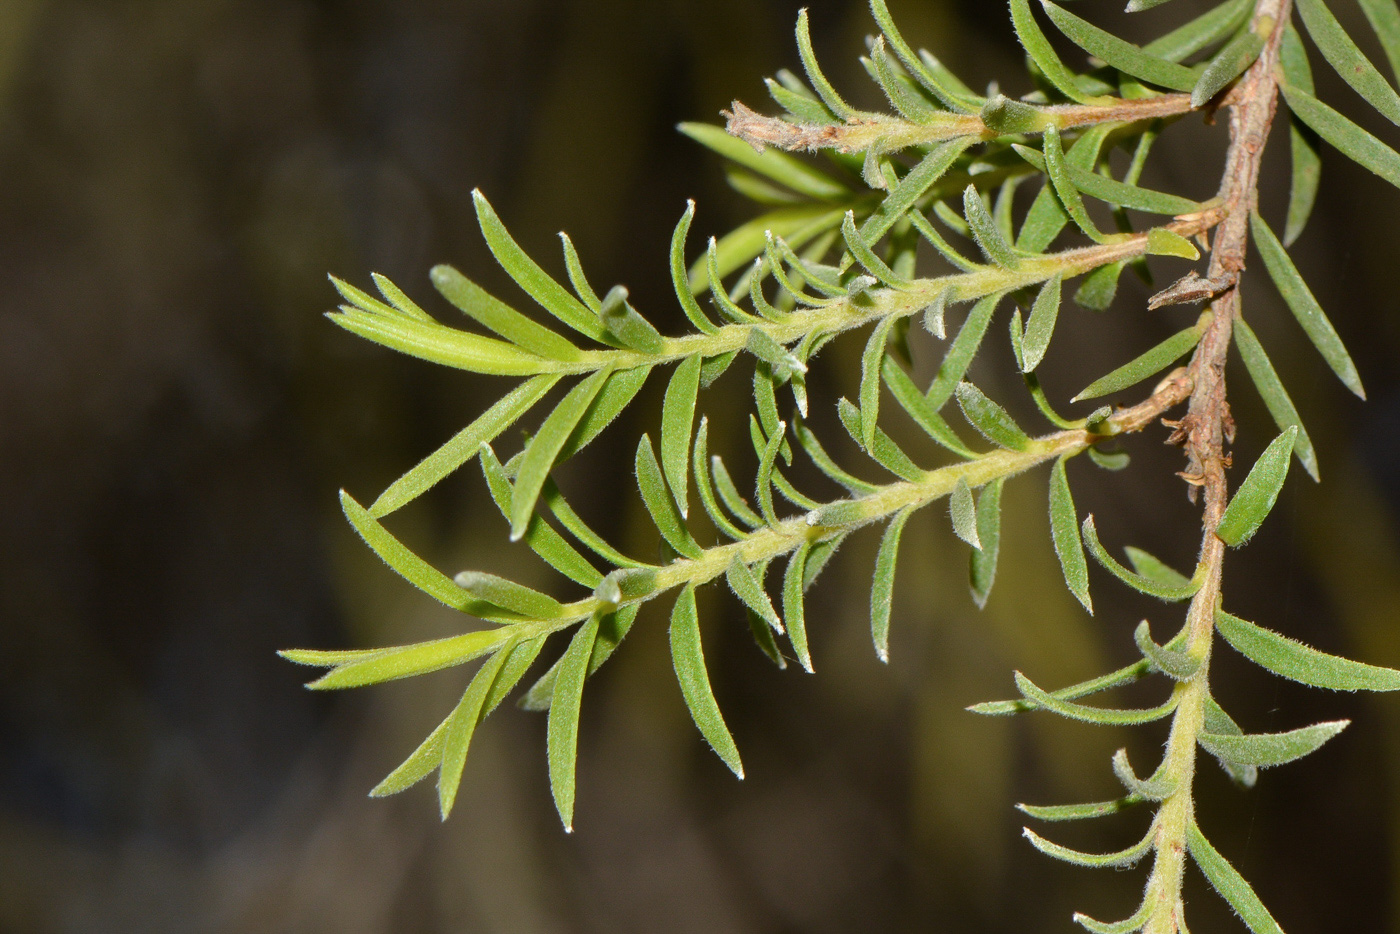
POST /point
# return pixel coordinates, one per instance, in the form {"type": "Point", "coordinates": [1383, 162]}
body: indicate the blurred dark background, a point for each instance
{"type": "Point", "coordinates": [176, 179]}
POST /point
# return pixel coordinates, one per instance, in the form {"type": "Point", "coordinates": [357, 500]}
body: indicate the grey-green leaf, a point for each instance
{"type": "Point", "coordinates": [985, 232]}
{"type": "Point", "coordinates": [1064, 528]}
{"type": "Point", "coordinates": [688, 657]}
{"type": "Point", "coordinates": [964, 513]}
{"type": "Point", "coordinates": [1227, 65]}
{"type": "Point", "coordinates": [1041, 324]}
{"type": "Point", "coordinates": [1038, 47]}
{"type": "Point", "coordinates": [1304, 306]}
{"type": "Point", "coordinates": [1100, 715]}
{"type": "Point", "coordinates": [629, 328]}
{"type": "Point", "coordinates": [1170, 662]}
{"type": "Point", "coordinates": [1298, 662]}
{"type": "Point", "coordinates": [749, 590]}
{"type": "Point", "coordinates": [1256, 496]}
{"type": "Point", "coordinates": [1347, 60]}
{"type": "Point", "coordinates": [464, 445]}
{"type": "Point", "coordinates": [1118, 53]}
{"type": "Point", "coordinates": [1384, 17]}
{"type": "Point", "coordinates": [1351, 141]}
{"type": "Point", "coordinates": [677, 418]}
{"type": "Point", "coordinates": [495, 314]}
{"type": "Point", "coordinates": [1275, 397]}
{"type": "Point", "coordinates": [1302, 142]}
{"type": "Point", "coordinates": [546, 446]}
{"type": "Point", "coordinates": [794, 604]}
{"type": "Point", "coordinates": [960, 353]}
{"type": "Point", "coordinates": [461, 726]}
{"type": "Point", "coordinates": [1093, 860]}
{"type": "Point", "coordinates": [990, 419]}
{"type": "Point", "coordinates": [1230, 884]}
{"type": "Point", "coordinates": [1267, 749]}
{"type": "Point", "coordinates": [982, 565]}
{"type": "Point", "coordinates": [882, 589]}
{"type": "Point", "coordinates": [561, 732]}
{"type": "Point", "coordinates": [508, 595]}
{"type": "Point", "coordinates": [1171, 592]}
{"type": "Point", "coordinates": [1146, 365]}
{"type": "Point", "coordinates": [871, 364]}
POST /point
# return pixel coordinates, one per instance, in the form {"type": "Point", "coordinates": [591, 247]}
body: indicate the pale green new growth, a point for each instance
{"type": "Point", "coordinates": [833, 253]}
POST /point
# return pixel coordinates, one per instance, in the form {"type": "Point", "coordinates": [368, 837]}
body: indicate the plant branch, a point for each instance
{"type": "Point", "coordinates": [1204, 433]}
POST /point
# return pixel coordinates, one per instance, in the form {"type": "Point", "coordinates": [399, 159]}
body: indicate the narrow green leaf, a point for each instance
{"type": "Point", "coordinates": [870, 366]}
{"type": "Point", "coordinates": [952, 93]}
{"type": "Point", "coordinates": [404, 562]}
{"type": "Point", "coordinates": [419, 765]}
{"type": "Point", "coordinates": [496, 315]}
{"type": "Point", "coordinates": [1101, 715]}
{"type": "Point", "coordinates": [1304, 306]}
{"type": "Point", "coordinates": [1046, 217]}
{"type": "Point", "coordinates": [463, 446]}
{"type": "Point", "coordinates": [1064, 528]}
{"type": "Point", "coordinates": [1275, 397]}
{"type": "Point", "coordinates": [1298, 662]}
{"type": "Point", "coordinates": [798, 100]}
{"type": "Point", "coordinates": [763, 637]}
{"type": "Point", "coordinates": [749, 590]}
{"type": "Point", "coordinates": [766, 477]}
{"type": "Point", "coordinates": [1173, 664]}
{"type": "Point", "coordinates": [964, 513]}
{"type": "Point", "coordinates": [629, 328]}
{"type": "Point", "coordinates": [1154, 570]}
{"type": "Point", "coordinates": [1384, 17]}
{"type": "Point", "coordinates": [794, 604]}
{"type": "Point", "coordinates": [882, 589]}
{"type": "Point", "coordinates": [1119, 54]}
{"type": "Point", "coordinates": [1151, 789]}
{"type": "Point", "coordinates": [1164, 242]}
{"type": "Point", "coordinates": [903, 94]}
{"type": "Point", "coordinates": [1113, 191]}
{"type": "Point", "coordinates": [885, 452]}
{"type": "Point", "coordinates": [398, 299]}
{"type": "Point", "coordinates": [1302, 142]}
{"type": "Point", "coordinates": [700, 463]}
{"type": "Point", "coordinates": [1216, 720]}
{"type": "Point", "coordinates": [1230, 884]}
{"type": "Point", "coordinates": [1058, 170]}
{"type": "Point", "coordinates": [1148, 364]}
{"type": "Point", "coordinates": [1063, 812]}
{"type": "Point", "coordinates": [960, 353]}
{"type": "Point", "coordinates": [561, 732]}
{"type": "Point", "coordinates": [912, 400]}
{"type": "Point", "coordinates": [1126, 926]}
{"type": "Point", "coordinates": [985, 232]}
{"type": "Point", "coordinates": [679, 280]}
{"type": "Point", "coordinates": [688, 657]}
{"type": "Point", "coordinates": [729, 494]}
{"type": "Point", "coordinates": [677, 419]}
{"type": "Point", "coordinates": [1099, 287]}
{"type": "Point", "coordinates": [545, 447]}
{"type": "Point", "coordinates": [405, 661]}
{"type": "Point", "coordinates": [659, 503]}
{"type": "Point", "coordinates": [826, 465]}
{"type": "Point", "coordinates": [1181, 589]}
{"type": "Point", "coordinates": [1347, 60]}
{"type": "Point", "coordinates": [866, 256]}
{"type": "Point", "coordinates": [1201, 33]}
{"type": "Point", "coordinates": [1038, 47]}
{"type": "Point", "coordinates": [912, 187]}
{"type": "Point", "coordinates": [580, 530]}
{"type": "Point", "coordinates": [517, 662]}
{"type": "Point", "coordinates": [1113, 679]}
{"type": "Point", "coordinates": [1268, 749]}
{"type": "Point", "coordinates": [775, 164]}
{"type": "Point", "coordinates": [611, 631]}
{"type": "Point", "coordinates": [822, 86]}
{"type": "Point", "coordinates": [796, 225]}
{"type": "Point", "coordinates": [540, 286]}
{"type": "Point", "coordinates": [461, 726]}
{"type": "Point", "coordinates": [990, 419]}
{"type": "Point", "coordinates": [437, 343]}
{"type": "Point", "coordinates": [508, 595]}
{"type": "Point", "coordinates": [982, 565]}
{"type": "Point", "coordinates": [577, 278]}
{"type": "Point", "coordinates": [1256, 496]}
{"type": "Point", "coordinates": [617, 392]}
{"type": "Point", "coordinates": [1227, 65]}
{"type": "Point", "coordinates": [1351, 141]}
{"type": "Point", "coordinates": [1122, 858]}
{"type": "Point", "coordinates": [1041, 324]}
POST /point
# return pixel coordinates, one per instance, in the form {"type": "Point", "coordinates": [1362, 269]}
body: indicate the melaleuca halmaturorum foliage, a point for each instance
{"type": "Point", "coordinates": [832, 256]}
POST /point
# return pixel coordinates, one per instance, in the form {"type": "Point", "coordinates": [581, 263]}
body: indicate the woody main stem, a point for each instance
{"type": "Point", "coordinates": [1204, 433]}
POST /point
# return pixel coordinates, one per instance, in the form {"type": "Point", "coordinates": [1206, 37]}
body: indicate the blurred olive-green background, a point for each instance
{"type": "Point", "coordinates": [176, 179]}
